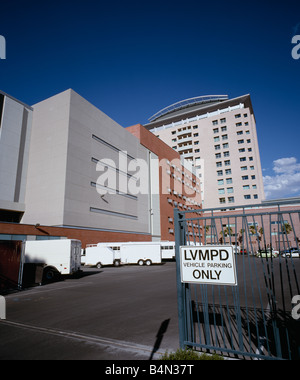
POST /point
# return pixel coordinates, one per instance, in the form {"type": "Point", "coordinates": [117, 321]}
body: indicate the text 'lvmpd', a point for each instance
{"type": "Point", "coordinates": [208, 265]}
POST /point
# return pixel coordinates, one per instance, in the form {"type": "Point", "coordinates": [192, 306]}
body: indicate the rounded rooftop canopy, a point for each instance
{"type": "Point", "coordinates": [191, 102]}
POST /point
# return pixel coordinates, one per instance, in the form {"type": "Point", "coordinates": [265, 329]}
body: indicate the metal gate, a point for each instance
{"type": "Point", "coordinates": [260, 317]}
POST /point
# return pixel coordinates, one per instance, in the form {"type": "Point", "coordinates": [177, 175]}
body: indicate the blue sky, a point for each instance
{"type": "Point", "coordinates": [132, 58]}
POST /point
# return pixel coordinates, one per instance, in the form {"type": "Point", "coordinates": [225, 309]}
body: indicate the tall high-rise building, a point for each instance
{"type": "Point", "coordinates": [219, 136]}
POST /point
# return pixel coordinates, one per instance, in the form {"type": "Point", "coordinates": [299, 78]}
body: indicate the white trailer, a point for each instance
{"type": "Point", "coordinates": [167, 250]}
{"type": "Point", "coordinates": [98, 255]}
{"type": "Point", "coordinates": [55, 256]}
{"type": "Point", "coordinates": [141, 253]}
{"type": "Point", "coordinates": [122, 253]}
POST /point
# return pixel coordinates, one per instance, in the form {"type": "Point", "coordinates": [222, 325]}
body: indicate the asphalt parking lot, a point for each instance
{"type": "Point", "coordinates": [124, 313]}
{"type": "Point", "coordinates": [128, 312]}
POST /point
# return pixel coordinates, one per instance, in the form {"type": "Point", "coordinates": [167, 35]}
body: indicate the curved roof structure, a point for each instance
{"type": "Point", "coordinates": [191, 102]}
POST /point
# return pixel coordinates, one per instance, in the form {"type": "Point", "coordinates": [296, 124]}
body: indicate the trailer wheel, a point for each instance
{"type": "Point", "coordinates": [141, 262]}
{"type": "Point", "coordinates": [117, 263]}
{"type": "Point", "coordinates": [98, 265]}
{"type": "Point", "coordinates": [49, 274]}
{"type": "Point", "coordinates": [148, 262]}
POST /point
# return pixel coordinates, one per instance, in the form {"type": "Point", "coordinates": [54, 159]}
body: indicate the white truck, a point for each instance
{"type": "Point", "coordinates": [140, 253]}
{"type": "Point", "coordinates": [61, 256]}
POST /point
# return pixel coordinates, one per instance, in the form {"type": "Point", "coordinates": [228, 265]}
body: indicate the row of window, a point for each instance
{"type": "Point", "coordinates": [231, 199]}
{"type": "Point", "coordinates": [230, 189]}
{"type": "Point", "coordinates": [223, 120]}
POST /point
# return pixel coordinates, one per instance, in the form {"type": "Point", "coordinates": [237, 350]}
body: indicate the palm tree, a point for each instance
{"type": "Point", "coordinates": [286, 228]}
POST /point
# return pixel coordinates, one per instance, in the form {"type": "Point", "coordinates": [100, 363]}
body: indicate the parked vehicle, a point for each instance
{"type": "Point", "coordinates": [269, 252]}
{"type": "Point", "coordinates": [61, 256]}
{"type": "Point", "coordinates": [140, 253]}
{"type": "Point", "coordinates": [98, 255]}
{"type": "Point", "coordinates": [292, 252]}
{"type": "Point", "coordinates": [167, 250]}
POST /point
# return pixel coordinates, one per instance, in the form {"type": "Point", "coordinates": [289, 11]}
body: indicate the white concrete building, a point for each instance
{"type": "Point", "coordinates": [69, 139]}
{"type": "Point", "coordinates": [219, 136]}
{"type": "Point", "coordinates": [15, 130]}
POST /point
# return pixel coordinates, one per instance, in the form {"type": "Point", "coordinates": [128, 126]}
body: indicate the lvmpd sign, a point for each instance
{"type": "Point", "coordinates": [208, 265]}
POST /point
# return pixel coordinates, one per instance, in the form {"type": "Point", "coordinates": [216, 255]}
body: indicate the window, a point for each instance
{"type": "Point", "coordinates": [222, 200]}
{"type": "Point", "coordinates": [224, 129]}
{"type": "Point", "coordinates": [195, 126]}
{"type": "Point", "coordinates": [243, 167]}
{"type": "Point", "coordinates": [223, 120]}
{"type": "Point", "coordinates": [228, 181]}
{"type": "Point", "coordinates": [242, 159]}
{"type": "Point", "coordinates": [253, 177]}
{"type": "Point", "coordinates": [246, 187]}
{"type": "Point", "coordinates": [240, 141]}
{"type": "Point", "coordinates": [219, 173]}
{"type": "Point", "coordinates": [231, 199]}
{"type": "Point", "coordinates": [220, 182]}
{"type": "Point", "coordinates": [224, 137]}
{"type": "Point", "coordinates": [254, 187]}
{"type": "Point", "coordinates": [247, 196]}
{"type": "Point", "coordinates": [245, 115]}
{"type": "Point", "coordinates": [219, 164]}
{"type": "Point", "coordinates": [239, 133]}
{"type": "Point", "coordinates": [230, 190]}
{"type": "Point", "coordinates": [226, 154]}
{"type": "Point", "coordinates": [247, 132]}
{"type": "Point", "coordinates": [196, 134]}
{"type": "Point", "coordinates": [245, 177]}
{"type": "Point", "coordinates": [197, 150]}
{"type": "Point", "coordinates": [216, 139]}
{"type": "Point", "coordinates": [237, 116]}
{"type": "Point", "coordinates": [241, 150]}
{"type": "Point", "coordinates": [227, 162]}
{"type": "Point", "coordinates": [248, 141]}
{"type": "Point", "coordinates": [173, 132]}
{"type": "Point", "coordinates": [215, 122]}
{"type": "Point", "coordinates": [225, 145]}
{"type": "Point", "coordinates": [250, 158]}
{"type": "Point", "coordinates": [221, 191]}
{"type": "Point", "coordinates": [217, 147]}
{"type": "Point", "coordinates": [238, 124]}
{"type": "Point", "coordinates": [228, 171]}
{"type": "Point", "coordinates": [216, 130]}
{"type": "Point", "coordinates": [218, 155]}
{"type": "Point", "coordinates": [255, 196]}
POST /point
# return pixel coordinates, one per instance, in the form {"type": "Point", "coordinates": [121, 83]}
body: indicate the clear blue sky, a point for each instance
{"type": "Point", "coordinates": [132, 58]}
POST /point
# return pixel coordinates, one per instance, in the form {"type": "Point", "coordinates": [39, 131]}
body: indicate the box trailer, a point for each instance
{"type": "Point", "coordinates": [98, 255]}
{"type": "Point", "coordinates": [140, 253]}
{"type": "Point", "coordinates": [167, 250]}
{"type": "Point", "coordinates": [122, 253]}
{"type": "Point", "coordinates": [61, 256]}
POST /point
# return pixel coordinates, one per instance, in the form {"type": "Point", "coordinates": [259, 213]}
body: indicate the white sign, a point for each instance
{"type": "Point", "coordinates": [207, 264]}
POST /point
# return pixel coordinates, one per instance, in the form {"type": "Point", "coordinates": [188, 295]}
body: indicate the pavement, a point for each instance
{"type": "Point", "coordinates": [126, 313]}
